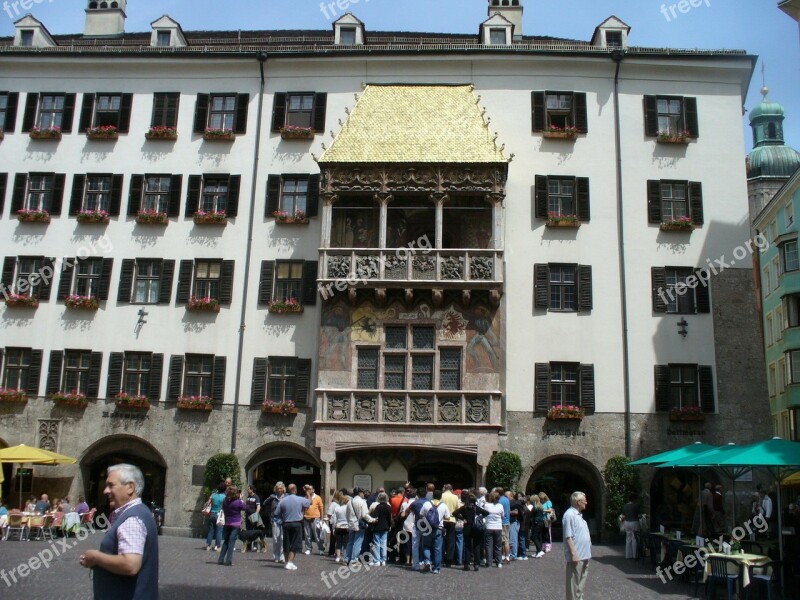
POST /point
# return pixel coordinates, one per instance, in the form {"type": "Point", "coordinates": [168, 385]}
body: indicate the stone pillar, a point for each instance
{"type": "Point", "coordinates": [327, 217]}
{"type": "Point", "coordinates": [439, 199]}
{"type": "Point", "coordinates": [383, 199]}
{"type": "Point", "coordinates": [496, 201]}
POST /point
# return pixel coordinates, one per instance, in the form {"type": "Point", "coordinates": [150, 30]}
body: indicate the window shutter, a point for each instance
{"type": "Point", "coordinates": [581, 114]}
{"type": "Point", "coordinates": [46, 285]}
{"type": "Point", "coordinates": [165, 288]}
{"type": "Point", "coordinates": [34, 373]}
{"type": "Point", "coordinates": [65, 284]}
{"type": "Point", "coordinates": [184, 282]}
{"type": "Point", "coordinates": [587, 388]}
{"type": "Point", "coordinates": [542, 386]}
{"type": "Point", "coordinates": [537, 110]}
{"type": "Point", "coordinates": [654, 201]}
{"type": "Point", "coordinates": [218, 379]}
{"type": "Point", "coordinates": [175, 383]}
{"type": "Point", "coordinates": [125, 291]}
{"type": "Point", "coordinates": [690, 112]}
{"type": "Point", "coordinates": [54, 372]}
{"type": "Point", "coordinates": [59, 182]}
{"type": "Point", "coordinates": [175, 189]}
{"type": "Point", "coordinates": [135, 195]}
{"type": "Point", "coordinates": [68, 114]}
{"type": "Point", "coordinates": [273, 195]}
{"type": "Point", "coordinates": [165, 110]}
{"type": "Point", "coordinates": [705, 378]}
{"type": "Point", "coordinates": [159, 105]}
{"type": "Point", "coordinates": [278, 112]}
{"type": "Point", "coordinates": [242, 104]}
{"type": "Point", "coordinates": [303, 380]}
{"type": "Point", "coordinates": [11, 112]}
{"type": "Point", "coordinates": [116, 195]}
{"type": "Point", "coordinates": [171, 120]}
{"type": "Point", "coordinates": [266, 282]}
{"type": "Point", "coordinates": [125, 105]}
{"type": "Point", "coordinates": [312, 205]}
{"type": "Point", "coordinates": [156, 371]}
{"type": "Point", "coordinates": [193, 194]}
{"type": "Point", "coordinates": [95, 364]}
{"type": "Point", "coordinates": [310, 282]}
{"type": "Point", "coordinates": [76, 200]}
{"type": "Point", "coordinates": [584, 287]}
{"type": "Point", "coordinates": [662, 388]}
{"type": "Point", "coordinates": [234, 185]}
{"type": "Point", "coordinates": [658, 276]}
{"type": "Point", "coordinates": [9, 267]}
{"type": "Point", "coordinates": [3, 184]}
{"type": "Point", "coordinates": [650, 116]}
{"type": "Point", "coordinates": [114, 383]}
{"type": "Point", "coordinates": [29, 116]}
{"type": "Point", "coordinates": [201, 113]}
{"type": "Point", "coordinates": [226, 282]}
{"type": "Point", "coordinates": [258, 389]}
{"type": "Point", "coordinates": [540, 197]}
{"type": "Point", "coordinates": [696, 201]}
{"type": "Point", "coordinates": [87, 112]}
{"type": "Point", "coordinates": [582, 194]}
{"type": "Point", "coordinates": [18, 195]}
{"type": "Point", "coordinates": [541, 284]}
{"type": "Point", "coordinates": [105, 278]}
{"type": "Point", "coordinates": [702, 296]}
{"type": "Point", "coordinates": [320, 109]}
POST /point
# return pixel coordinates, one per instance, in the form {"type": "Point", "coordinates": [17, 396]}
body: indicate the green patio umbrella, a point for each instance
{"type": "Point", "coordinates": [674, 454]}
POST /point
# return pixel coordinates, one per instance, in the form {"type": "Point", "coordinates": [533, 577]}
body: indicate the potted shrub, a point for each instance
{"type": "Point", "coordinates": [286, 407]}
{"type": "Point", "coordinates": [195, 403]}
{"type": "Point", "coordinates": [219, 135]}
{"type": "Point", "coordinates": [93, 216]}
{"type": "Point", "coordinates": [104, 132]}
{"type": "Point", "coordinates": [46, 133]}
{"type": "Point", "coordinates": [74, 399]}
{"type": "Point", "coordinates": [294, 132]}
{"type": "Point", "coordinates": [285, 306]}
{"type": "Point", "coordinates": [557, 220]}
{"type": "Point", "coordinates": [679, 224]}
{"type": "Point", "coordinates": [687, 413]}
{"type": "Point", "coordinates": [203, 304]}
{"type": "Point", "coordinates": [21, 300]}
{"type": "Point", "coordinates": [674, 137]}
{"type": "Point", "coordinates": [13, 396]}
{"type": "Point", "coordinates": [33, 216]}
{"type": "Point", "coordinates": [124, 400]}
{"type": "Point", "coordinates": [81, 302]}
{"type": "Point", "coordinates": [565, 411]}
{"type": "Point", "coordinates": [202, 217]}
{"type": "Point", "coordinates": [152, 217]}
{"type": "Point", "coordinates": [569, 132]}
{"type": "Point", "coordinates": [299, 217]}
{"type": "Point", "coordinates": [160, 132]}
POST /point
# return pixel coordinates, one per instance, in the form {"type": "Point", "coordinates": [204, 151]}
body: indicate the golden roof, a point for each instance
{"type": "Point", "coordinates": [415, 124]}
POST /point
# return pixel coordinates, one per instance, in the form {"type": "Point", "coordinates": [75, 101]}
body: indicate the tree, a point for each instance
{"type": "Point", "coordinates": [218, 468]}
{"type": "Point", "coordinates": [622, 480]}
{"type": "Point", "coordinates": [504, 470]}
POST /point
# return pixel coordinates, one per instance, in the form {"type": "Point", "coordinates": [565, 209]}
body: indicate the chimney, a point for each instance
{"type": "Point", "coordinates": [511, 10]}
{"type": "Point", "coordinates": [105, 18]}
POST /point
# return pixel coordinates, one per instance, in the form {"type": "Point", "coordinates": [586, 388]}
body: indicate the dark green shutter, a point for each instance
{"type": "Point", "coordinates": [279, 112]}
{"type": "Point", "coordinates": [9, 268]}
{"type": "Point", "coordinates": [702, 296]}
{"type": "Point", "coordinates": [34, 373]}
{"type": "Point", "coordinates": [175, 383]}
{"type": "Point", "coordinates": [116, 362]}
{"type": "Point", "coordinates": [125, 292]}
{"type": "Point", "coordinates": [175, 189]}
{"type": "Point", "coordinates": [690, 112]}
{"type": "Point", "coordinates": [193, 194]}
{"type": "Point", "coordinates": [218, 379]}
{"type": "Point", "coordinates": [658, 277]}
{"type": "Point", "coordinates": [234, 185]}
{"type": "Point", "coordinates": [18, 195]}
{"type": "Point", "coordinates": [226, 282]}
{"type": "Point", "coordinates": [31, 109]}
{"type": "Point", "coordinates": [87, 112]}
{"type": "Point", "coordinates": [266, 282]}
{"type": "Point", "coordinates": [650, 116]}
{"type": "Point", "coordinates": [540, 197]}
{"type": "Point", "coordinates": [3, 184]}
{"type": "Point", "coordinates": [201, 113]}
{"type": "Point", "coordinates": [76, 200]}
{"type": "Point", "coordinates": [258, 388]}
{"type": "Point", "coordinates": [116, 195]}
{"type": "Point", "coordinates": [584, 287]}
{"type": "Point", "coordinates": [54, 372]}
{"type": "Point", "coordinates": [105, 278]}
{"type": "Point", "coordinates": [587, 388]}
{"type": "Point", "coordinates": [273, 195]}
{"type": "Point", "coordinates": [156, 372]}
{"type": "Point", "coordinates": [11, 112]}
{"type": "Point", "coordinates": [581, 114]}
{"type": "Point", "coordinates": [46, 284]}
{"type": "Point", "coordinates": [242, 105]}
{"type": "Point", "coordinates": [165, 287]}
{"type": "Point", "coordinates": [706, 380]}
{"type": "Point", "coordinates": [696, 202]}
{"type": "Point", "coordinates": [135, 195]}
{"type": "Point", "coordinates": [582, 193]}
{"type": "Point", "coordinates": [661, 378]}
{"type": "Point", "coordinates": [653, 201]}
{"type": "Point", "coordinates": [312, 205]}
{"type": "Point", "coordinates": [537, 111]}
{"type": "Point", "coordinates": [310, 282]}
{"type": "Point", "coordinates": [125, 106]}
{"type": "Point", "coordinates": [541, 285]}
{"type": "Point", "coordinates": [303, 380]}
{"type": "Point", "coordinates": [542, 386]}
{"type": "Point", "coordinates": [68, 114]}
{"type": "Point", "coordinates": [320, 109]}
{"type": "Point", "coordinates": [95, 364]}
{"type": "Point", "coordinates": [184, 282]}
{"type": "Point", "coordinates": [65, 284]}
{"type": "Point", "coordinates": [59, 181]}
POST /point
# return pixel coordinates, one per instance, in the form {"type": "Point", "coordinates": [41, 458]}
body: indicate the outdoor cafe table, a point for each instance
{"type": "Point", "coordinates": [743, 560]}
{"type": "Point", "coordinates": [671, 538]}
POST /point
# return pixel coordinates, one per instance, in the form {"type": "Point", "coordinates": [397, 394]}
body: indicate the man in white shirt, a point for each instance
{"type": "Point", "coordinates": [577, 546]}
{"type": "Point", "coordinates": [766, 512]}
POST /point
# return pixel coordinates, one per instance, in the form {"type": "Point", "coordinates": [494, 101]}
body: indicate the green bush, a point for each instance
{"type": "Point", "coordinates": [504, 470]}
{"type": "Point", "coordinates": [621, 480]}
{"type": "Point", "coordinates": [218, 468]}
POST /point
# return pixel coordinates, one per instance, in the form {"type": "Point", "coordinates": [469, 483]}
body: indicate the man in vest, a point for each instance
{"type": "Point", "coordinates": [126, 566]}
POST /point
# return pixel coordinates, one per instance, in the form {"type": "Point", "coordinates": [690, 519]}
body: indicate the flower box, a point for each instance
{"type": "Point", "coordinates": [687, 417]}
{"type": "Point", "coordinates": [126, 401]}
{"type": "Point", "coordinates": [203, 403]}
{"type": "Point", "coordinates": [292, 132]}
{"type": "Point", "coordinates": [106, 132]}
{"type": "Point", "coordinates": [219, 135]}
{"type": "Point", "coordinates": [72, 399]}
{"type": "Point", "coordinates": [152, 217]}
{"type": "Point", "coordinates": [688, 413]}
{"type": "Point", "coordinates": [284, 307]}
{"type": "Point", "coordinates": [557, 133]}
{"type": "Point", "coordinates": [33, 216]}
{"type": "Point", "coordinates": [52, 133]}
{"type": "Point", "coordinates": [13, 396]}
{"type": "Point", "coordinates": [560, 412]}
{"type": "Point", "coordinates": [298, 218]}
{"type": "Point", "coordinates": [279, 408]}
{"type": "Point", "coordinates": [680, 137]}
{"type": "Point", "coordinates": [556, 220]}
{"type": "Point", "coordinates": [93, 216]}
{"type": "Point", "coordinates": [22, 301]}
{"type": "Point", "coordinates": [210, 218]}
{"type": "Point", "coordinates": [203, 304]}
{"type": "Point", "coordinates": [682, 224]}
{"type": "Point", "coordinates": [160, 132]}
{"type": "Point", "coordinates": [82, 303]}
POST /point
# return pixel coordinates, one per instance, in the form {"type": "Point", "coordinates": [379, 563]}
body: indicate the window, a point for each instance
{"type": "Point", "coordinates": [791, 308]}
{"type": "Point", "coordinates": [559, 109]}
{"type": "Point", "coordinates": [30, 280]}
{"type": "Point", "coordinates": [163, 37]}
{"type": "Point", "coordinates": [207, 277]}
{"type": "Point", "coordinates": [765, 281]}
{"type": "Point", "coordinates": [780, 377]}
{"type": "Point", "coordinates": [562, 197]}
{"type": "Point", "coordinates": [559, 383]}
{"type": "Point", "coordinates": [285, 280]}
{"type": "Point", "coordinates": [778, 323]}
{"type": "Point", "coordinates": [165, 110]}
{"type": "Point", "coordinates": [773, 231]}
{"type": "Point", "coordinates": [564, 384]}
{"type": "Point", "coordinates": [683, 302]}
{"type": "Point", "coordinates": [8, 111]}
{"type": "Point", "coordinates": [450, 368]}
{"type": "Point", "coordinates": [402, 215]}
{"type": "Point", "coordinates": [292, 193]}
{"type": "Point", "coordinates": [215, 195]}
{"type": "Point", "coordinates": [106, 110]}
{"type": "Point", "coordinates": [769, 331]}
{"type": "Point", "coordinates": [614, 39]}
{"type": "Point", "coordinates": [146, 281]}
{"type": "Point", "coordinates": [497, 36]}
{"type": "Point", "coordinates": [347, 36]}
{"type": "Point", "coordinates": [789, 210]}
{"type": "Point", "coordinates": [789, 256]}
{"type": "Point", "coordinates": [673, 115]}
{"type": "Point", "coordinates": [466, 223]}
{"type": "Point", "coordinates": [136, 379]}
{"type": "Point", "coordinates": [98, 193]}
{"type": "Point", "coordinates": [675, 201]}
{"type": "Point", "coordinates": [3, 108]}
{"type": "Point", "coordinates": [771, 383]}
{"type": "Point", "coordinates": [282, 379]}
{"type": "Point", "coordinates": [774, 273]}
{"type": "Point", "coordinates": [17, 370]}
{"type": "Point", "coordinates": [76, 371]}
{"type": "Point", "coordinates": [39, 195]}
{"type": "Point", "coordinates": [26, 37]}
{"type": "Point", "coordinates": [51, 111]}
{"type": "Point", "coordinates": [222, 112]}
{"type": "Point", "coordinates": [204, 279]}
{"type": "Point", "coordinates": [367, 376]}
{"type": "Point", "coordinates": [355, 223]}
{"type": "Point", "coordinates": [680, 290]}
{"type": "Point", "coordinates": [199, 373]}
{"type": "Point", "coordinates": [300, 109]}
{"type": "Point", "coordinates": [156, 193]}
{"type": "Point", "coordinates": [87, 277]}
{"type": "Point", "coordinates": [288, 281]}
{"type": "Point", "coordinates": [147, 284]}
{"type": "Point", "coordinates": [684, 385]}
{"type": "Point", "coordinates": [226, 112]}
{"type": "Point", "coordinates": [566, 288]}
{"type": "Point", "coordinates": [794, 366]}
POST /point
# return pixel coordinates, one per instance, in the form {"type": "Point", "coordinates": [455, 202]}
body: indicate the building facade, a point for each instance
{"type": "Point", "coordinates": [499, 225]}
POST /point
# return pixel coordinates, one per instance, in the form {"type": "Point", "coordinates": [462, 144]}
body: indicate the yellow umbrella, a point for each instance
{"type": "Point", "coordinates": [793, 479]}
{"type": "Point", "coordinates": [38, 456]}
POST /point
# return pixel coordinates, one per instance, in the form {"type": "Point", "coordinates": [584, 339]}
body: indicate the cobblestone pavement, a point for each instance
{"type": "Point", "coordinates": [187, 572]}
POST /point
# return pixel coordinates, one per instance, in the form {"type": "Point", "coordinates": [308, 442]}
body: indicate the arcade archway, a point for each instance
{"type": "Point", "coordinates": [282, 462]}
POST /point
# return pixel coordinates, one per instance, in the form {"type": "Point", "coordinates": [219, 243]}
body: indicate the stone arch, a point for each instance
{"type": "Point", "coordinates": [285, 457]}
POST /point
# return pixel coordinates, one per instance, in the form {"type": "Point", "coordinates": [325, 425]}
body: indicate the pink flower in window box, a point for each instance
{"type": "Point", "coordinates": [74, 399]}
{"type": "Point", "coordinates": [205, 403]}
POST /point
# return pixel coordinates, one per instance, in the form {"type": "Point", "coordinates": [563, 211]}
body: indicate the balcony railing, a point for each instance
{"type": "Point", "coordinates": [392, 267]}
{"type": "Point", "coordinates": [391, 408]}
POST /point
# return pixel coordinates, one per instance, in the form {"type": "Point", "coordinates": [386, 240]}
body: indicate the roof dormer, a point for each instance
{"type": "Point", "coordinates": [348, 31]}
{"type": "Point", "coordinates": [105, 18]}
{"type": "Point", "coordinates": [167, 33]}
{"type": "Point", "coordinates": [611, 33]}
{"type": "Point", "coordinates": [497, 31]}
{"type": "Point", "coordinates": [31, 32]}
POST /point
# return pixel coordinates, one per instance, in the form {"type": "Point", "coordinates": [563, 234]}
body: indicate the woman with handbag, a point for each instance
{"type": "Point", "coordinates": [232, 508]}
{"type": "Point", "coordinates": [474, 527]}
{"type": "Point", "coordinates": [538, 519]}
{"type": "Point", "coordinates": [211, 510]}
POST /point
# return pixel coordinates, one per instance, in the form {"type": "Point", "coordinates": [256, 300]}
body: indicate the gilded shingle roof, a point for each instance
{"type": "Point", "coordinates": [413, 124]}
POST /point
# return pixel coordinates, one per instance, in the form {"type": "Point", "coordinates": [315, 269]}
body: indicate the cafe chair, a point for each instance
{"type": "Point", "coordinates": [638, 536]}
{"type": "Point", "coordinates": [36, 528]}
{"type": "Point", "coordinates": [752, 547]}
{"type": "Point", "coordinates": [50, 525]}
{"type": "Point", "coordinates": [722, 570]}
{"type": "Point", "coordinates": [671, 554]}
{"type": "Point", "coordinates": [762, 577]}
{"type": "Point", "coordinates": [695, 573]}
{"type": "Point", "coordinates": [15, 527]}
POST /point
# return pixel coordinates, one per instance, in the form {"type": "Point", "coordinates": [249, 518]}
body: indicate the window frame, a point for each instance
{"type": "Point", "coordinates": [162, 198]}
{"type": "Point", "coordinates": [45, 194]}
{"type": "Point", "coordinates": [785, 255]}
{"type": "Point", "coordinates": [160, 33]}
{"type": "Point", "coordinates": [684, 386]}
{"type": "Point", "coordinates": [680, 275]}
{"type": "Point", "coordinates": [89, 282]}
{"type": "Point", "coordinates": [91, 190]}
{"type": "Point", "coordinates": [558, 386]}
{"type": "Point", "coordinates": [214, 284]}
{"type": "Point", "coordinates": [583, 287]}
{"type": "Point", "coordinates": [294, 284]}
{"type": "Point", "coordinates": [495, 32]}
{"type": "Point", "coordinates": [204, 379]}
{"type": "Point", "coordinates": [683, 124]}
{"type": "Point", "coordinates": [613, 33]}
{"type": "Point", "coordinates": [37, 267]}
{"type": "Point", "coordinates": [150, 279]}
{"type": "Point", "coordinates": [164, 114]}
{"type": "Point", "coordinates": [56, 113]}
{"type": "Point", "coordinates": [142, 374]}
{"type": "Point", "coordinates": [281, 378]}
{"type": "Point", "coordinates": [103, 116]}
{"type": "Point", "coordinates": [27, 37]}
{"type": "Point", "coordinates": [295, 195]}
{"type": "Point", "coordinates": [225, 112]}
{"type": "Point", "coordinates": [219, 197]}
{"type": "Point", "coordinates": [561, 288]}
{"type": "Point", "coordinates": [80, 371]}
{"type": "Point", "coordinates": [22, 368]}
{"type": "Point", "coordinates": [348, 31]}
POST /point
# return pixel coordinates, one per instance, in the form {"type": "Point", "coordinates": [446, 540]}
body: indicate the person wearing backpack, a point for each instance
{"type": "Point", "coordinates": [474, 529]}
{"type": "Point", "coordinates": [435, 514]}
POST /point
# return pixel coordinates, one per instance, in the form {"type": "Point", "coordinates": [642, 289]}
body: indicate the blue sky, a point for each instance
{"type": "Point", "coordinates": [756, 26]}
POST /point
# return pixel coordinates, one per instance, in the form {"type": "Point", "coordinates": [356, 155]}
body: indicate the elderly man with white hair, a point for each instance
{"type": "Point", "coordinates": [577, 546]}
